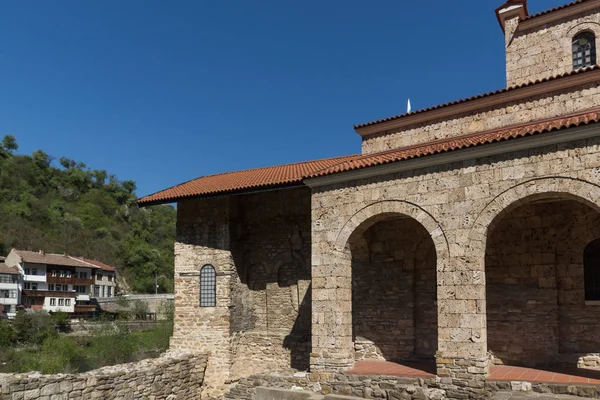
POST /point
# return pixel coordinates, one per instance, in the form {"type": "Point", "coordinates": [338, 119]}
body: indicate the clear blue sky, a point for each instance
{"type": "Point", "coordinates": [165, 91]}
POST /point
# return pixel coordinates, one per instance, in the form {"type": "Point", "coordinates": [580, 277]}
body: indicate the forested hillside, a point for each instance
{"type": "Point", "coordinates": [62, 206]}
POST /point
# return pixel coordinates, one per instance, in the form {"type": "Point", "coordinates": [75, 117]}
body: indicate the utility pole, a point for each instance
{"type": "Point", "coordinates": [155, 282]}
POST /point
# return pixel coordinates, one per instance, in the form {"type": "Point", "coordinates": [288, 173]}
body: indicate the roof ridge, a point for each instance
{"type": "Point", "coordinates": [479, 96]}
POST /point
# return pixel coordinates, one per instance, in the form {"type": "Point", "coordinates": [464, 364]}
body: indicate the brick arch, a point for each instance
{"type": "Point", "coordinates": [375, 212]}
{"type": "Point", "coordinates": [559, 188]}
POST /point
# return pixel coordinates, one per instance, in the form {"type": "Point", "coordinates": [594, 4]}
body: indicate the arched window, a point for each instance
{"type": "Point", "coordinates": [591, 270]}
{"type": "Point", "coordinates": [208, 286]}
{"type": "Point", "coordinates": [584, 50]}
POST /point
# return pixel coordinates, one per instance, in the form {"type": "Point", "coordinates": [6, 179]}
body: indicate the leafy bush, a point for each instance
{"type": "Point", "coordinates": [7, 335]}
{"type": "Point", "coordinates": [34, 327]}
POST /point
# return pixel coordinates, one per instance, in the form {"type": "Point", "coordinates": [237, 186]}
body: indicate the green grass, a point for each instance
{"type": "Point", "coordinates": [107, 345]}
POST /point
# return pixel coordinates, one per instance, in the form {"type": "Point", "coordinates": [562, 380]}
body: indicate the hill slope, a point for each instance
{"type": "Point", "coordinates": [72, 209]}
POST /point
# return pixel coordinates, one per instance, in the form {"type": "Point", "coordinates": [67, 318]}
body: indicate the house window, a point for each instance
{"type": "Point", "coordinates": [65, 288]}
{"type": "Point", "coordinates": [61, 302]}
{"type": "Point", "coordinates": [96, 291]}
{"type": "Point", "coordinates": [27, 285]}
{"type": "Point", "coordinates": [53, 272]}
{"type": "Point", "coordinates": [109, 291]}
{"type": "Point", "coordinates": [208, 286]}
{"type": "Point", "coordinates": [34, 286]}
{"type": "Point", "coordinates": [34, 271]}
{"type": "Point", "coordinates": [62, 274]}
{"type": "Point", "coordinates": [103, 290]}
{"type": "Point", "coordinates": [27, 271]}
{"type": "Point", "coordinates": [591, 270]}
{"type": "Point", "coordinates": [52, 302]}
{"type": "Point", "coordinates": [68, 302]}
{"type": "Point", "coordinates": [51, 286]}
{"type": "Point", "coordinates": [584, 50]}
{"type": "Point", "coordinates": [68, 274]}
{"type": "Point", "coordinates": [99, 277]}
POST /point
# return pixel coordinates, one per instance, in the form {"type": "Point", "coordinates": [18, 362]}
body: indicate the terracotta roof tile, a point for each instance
{"type": "Point", "coordinates": [571, 73]}
{"type": "Point", "coordinates": [5, 269]}
{"type": "Point", "coordinates": [97, 263]}
{"type": "Point", "coordinates": [51, 259]}
{"type": "Point", "coordinates": [462, 142]}
{"type": "Point", "coordinates": [555, 9]}
{"type": "Point", "coordinates": [243, 180]}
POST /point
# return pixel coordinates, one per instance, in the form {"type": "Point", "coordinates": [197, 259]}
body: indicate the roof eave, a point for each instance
{"type": "Point", "coordinates": [551, 16]}
{"type": "Point", "coordinates": [228, 193]}
{"type": "Point", "coordinates": [452, 156]}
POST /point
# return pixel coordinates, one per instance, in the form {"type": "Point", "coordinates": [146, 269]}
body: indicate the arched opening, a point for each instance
{"type": "Point", "coordinates": [394, 312]}
{"type": "Point", "coordinates": [537, 312]}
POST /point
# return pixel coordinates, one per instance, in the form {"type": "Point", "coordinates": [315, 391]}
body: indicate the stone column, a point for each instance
{"type": "Point", "coordinates": [332, 346]}
{"type": "Point", "coordinates": [462, 338]}
{"type": "Point", "coordinates": [203, 238]}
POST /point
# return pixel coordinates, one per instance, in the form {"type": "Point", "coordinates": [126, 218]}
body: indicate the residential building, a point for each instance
{"type": "Point", "coordinates": [52, 282]}
{"type": "Point", "coordinates": [105, 278]}
{"type": "Point", "coordinates": [10, 292]}
{"type": "Point", "coordinates": [465, 234]}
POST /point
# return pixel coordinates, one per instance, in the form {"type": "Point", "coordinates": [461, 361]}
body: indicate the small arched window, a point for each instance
{"type": "Point", "coordinates": [208, 286]}
{"type": "Point", "coordinates": [584, 50]}
{"type": "Point", "coordinates": [591, 270]}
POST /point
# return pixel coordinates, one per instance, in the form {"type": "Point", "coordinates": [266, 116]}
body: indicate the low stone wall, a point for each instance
{"type": "Point", "coordinates": [314, 386]}
{"type": "Point", "coordinates": [172, 376]}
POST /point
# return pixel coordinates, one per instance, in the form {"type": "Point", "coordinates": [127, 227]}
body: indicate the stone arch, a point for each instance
{"type": "Point", "coordinates": [375, 212]}
{"type": "Point", "coordinates": [589, 26]}
{"type": "Point", "coordinates": [559, 188]}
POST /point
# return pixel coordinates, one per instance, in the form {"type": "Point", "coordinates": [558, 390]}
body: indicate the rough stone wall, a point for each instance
{"type": "Point", "coordinates": [271, 316]}
{"type": "Point", "coordinates": [393, 292]}
{"type": "Point", "coordinates": [260, 247]}
{"type": "Point", "coordinates": [173, 376]}
{"type": "Point", "coordinates": [521, 281]}
{"type": "Point", "coordinates": [456, 204]}
{"type": "Point", "coordinates": [545, 51]}
{"type": "Point", "coordinates": [203, 238]}
{"type": "Point", "coordinates": [531, 109]}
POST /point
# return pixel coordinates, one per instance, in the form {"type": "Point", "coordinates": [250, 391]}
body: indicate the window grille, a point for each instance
{"type": "Point", "coordinates": [208, 286]}
{"type": "Point", "coordinates": [591, 270]}
{"type": "Point", "coordinates": [584, 50]}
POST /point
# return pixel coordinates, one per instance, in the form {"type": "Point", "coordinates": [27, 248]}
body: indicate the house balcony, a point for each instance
{"type": "Point", "coordinates": [82, 297]}
{"type": "Point", "coordinates": [9, 301]}
{"type": "Point", "coordinates": [69, 281]}
{"type": "Point", "coordinates": [9, 286]}
{"type": "Point", "coordinates": [48, 293]}
{"type": "Point", "coordinates": [35, 278]}
{"type": "Point", "coordinates": [82, 309]}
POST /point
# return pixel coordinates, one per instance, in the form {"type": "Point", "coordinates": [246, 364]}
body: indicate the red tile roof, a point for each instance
{"type": "Point", "coordinates": [96, 263]}
{"type": "Point", "coordinates": [571, 73]}
{"type": "Point", "coordinates": [50, 259]}
{"type": "Point", "coordinates": [231, 182]}
{"type": "Point", "coordinates": [5, 269]}
{"type": "Point", "coordinates": [461, 142]}
{"type": "Point", "coordinates": [555, 9]}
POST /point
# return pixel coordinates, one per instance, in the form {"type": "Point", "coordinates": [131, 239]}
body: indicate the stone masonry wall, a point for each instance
{"type": "Point", "coordinates": [260, 247]}
{"type": "Point", "coordinates": [394, 317]}
{"type": "Point", "coordinates": [456, 204]}
{"type": "Point", "coordinates": [523, 290]}
{"type": "Point", "coordinates": [271, 314]}
{"type": "Point", "coordinates": [531, 109]}
{"type": "Point", "coordinates": [203, 238]}
{"type": "Point", "coordinates": [545, 51]}
{"type": "Point", "coordinates": [173, 376]}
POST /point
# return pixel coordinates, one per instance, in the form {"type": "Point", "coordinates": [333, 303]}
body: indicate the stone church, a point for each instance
{"type": "Point", "coordinates": [466, 234]}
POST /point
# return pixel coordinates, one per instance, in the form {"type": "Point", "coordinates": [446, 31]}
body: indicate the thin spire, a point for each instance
{"type": "Point", "coordinates": [408, 107]}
